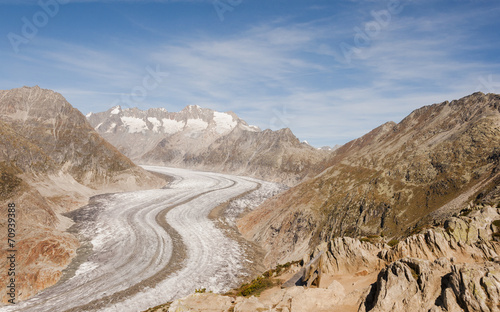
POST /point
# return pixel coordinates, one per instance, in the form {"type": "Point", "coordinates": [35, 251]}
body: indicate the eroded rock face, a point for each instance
{"type": "Point", "coordinates": [422, 285]}
{"type": "Point", "coordinates": [350, 255]}
{"type": "Point", "coordinates": [405, 284]}
{"type": "Point", "coordinates": [41, 257]}
{"type": "Point", "coordinates": [474, 287]}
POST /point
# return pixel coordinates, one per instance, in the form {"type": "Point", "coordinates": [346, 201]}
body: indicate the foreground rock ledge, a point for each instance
{"type": "Point", "coordinates": [455, 267]}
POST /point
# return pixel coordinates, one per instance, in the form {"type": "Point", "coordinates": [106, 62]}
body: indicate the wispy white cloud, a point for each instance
{"type": "Point", "coordinates": [282, 73]}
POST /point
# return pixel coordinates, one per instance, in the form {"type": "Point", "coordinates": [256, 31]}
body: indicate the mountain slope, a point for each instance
{"type": "Point", "coordinates": [52, 161]}
{"type": "Point", "coordinates": [395, 179]}
{"type": "Point", "coordinates": [204, 139]}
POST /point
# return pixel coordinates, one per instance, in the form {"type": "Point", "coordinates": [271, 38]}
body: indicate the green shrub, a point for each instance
{"type": "Point", "coordinates": [200, 291]}
{"type": "Point", "coordinates": [282, 267]}
{"type": "Point", "coordinates": [393, 242]}
{"type": "Point", "coordinates": [255, 287]}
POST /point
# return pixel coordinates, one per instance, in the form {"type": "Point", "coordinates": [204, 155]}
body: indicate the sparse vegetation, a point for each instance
{"type": "Point", "coordinates": [200, 291]}
{"type": "Point", "coordinates": [393, 242]}
{"type": "Point", "coordinates": [465, 212]}
{"type": "Point", "coordinates": [160, 308]}
{"type": "Point", "coordinates": [255, 287]}
{"type": "Point", "coordinates": [418, 229]}
{"type": "Point", "coordinates": [263, 282]}
{"type": "Point", "coordinates": [283, 267]}
{"type": "Point", "coordinates": [414, 274]}
{"type": "Point", "coordinates": [372, 239]}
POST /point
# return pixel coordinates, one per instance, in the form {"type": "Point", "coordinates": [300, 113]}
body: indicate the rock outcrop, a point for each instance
{"type": "Point", "coordinates": [422, 285]}
{"type": "Point", "coordinates": [450, 267]}
{"type": "Point", "coordinates": [52, 161]}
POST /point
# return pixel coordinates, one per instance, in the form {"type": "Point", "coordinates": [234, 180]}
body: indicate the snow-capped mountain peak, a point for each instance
{"type": "Point", "coordinates": [202, 138]}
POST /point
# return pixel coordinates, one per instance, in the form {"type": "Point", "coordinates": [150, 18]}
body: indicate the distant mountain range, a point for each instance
{"type": "Point", "coordinates": [201, 138]}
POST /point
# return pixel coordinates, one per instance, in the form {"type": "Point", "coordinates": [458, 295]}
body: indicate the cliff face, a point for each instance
{"type": "Point", "coordinates": [201, 138]}
{"type": "Point", "coordinates": [394, 179]}
{"type": "Point", "coordinates": [52, 161]}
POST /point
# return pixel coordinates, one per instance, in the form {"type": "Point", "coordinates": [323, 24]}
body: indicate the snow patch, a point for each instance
{"type": "Point", "coordinates": [88, 115]}
{"type": "Point", "coordinates": [250, 128]}
{"type": "Point", "coordinates": [171, 126]}
{"type": "Point", "coordinates": [111, 128]}
{"type": "Point", "coordinates": [196, 125]}
{"type": "Point", "coordinates": [224, 122]}
{"type": "Point", "coordinates": [156, 124]}
{"type": "Point", "coordinates": [134, 125]}
{"type": "Point", "coordinates": [116, 110]}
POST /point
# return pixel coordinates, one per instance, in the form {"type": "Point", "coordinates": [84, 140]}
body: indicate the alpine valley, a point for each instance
{"type": "Point", "coordinates": [404, 218]}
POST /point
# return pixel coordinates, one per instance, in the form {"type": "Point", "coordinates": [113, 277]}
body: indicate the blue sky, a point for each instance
{"type": "Point", "coordinates": [329, 70]}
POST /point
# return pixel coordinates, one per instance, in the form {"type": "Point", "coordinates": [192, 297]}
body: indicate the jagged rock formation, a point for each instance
{"type": "Point", "coordinates": [201, 138]}
{"type": "Point", "coordinates": [394, 179]}
{"type": "Point", "coordinates": [52, 161]}
{"type": "Point", "coordinates": [422, 285]}
{"type": "Point", "coordinates": [450, 267]}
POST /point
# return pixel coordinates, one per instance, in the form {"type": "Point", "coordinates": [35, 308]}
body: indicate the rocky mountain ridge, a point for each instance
{"type": "Point", "coordinates": [52, 161]}
{"type": "Point", "coordinates": [200, 138]}
{"type": "Point", "coordinates": [135, 132]}
{"type": "Point", "coordinates": [394, 179]}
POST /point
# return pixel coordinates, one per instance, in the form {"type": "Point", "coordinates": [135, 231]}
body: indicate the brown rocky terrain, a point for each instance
{"type": "Point", "coordinates": [203, 139]}
{"type": "Point", "coordinates": [52, 161]}
{"type": "Point", "coordinates": [395, 180]}
{"type": "Point", "coordinates": [454, 266]}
